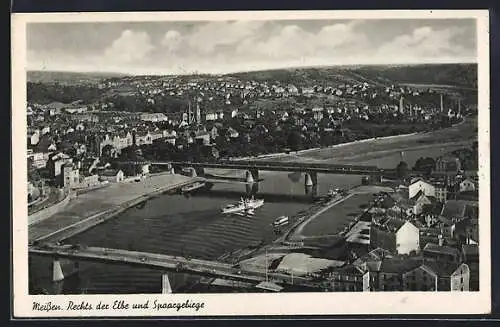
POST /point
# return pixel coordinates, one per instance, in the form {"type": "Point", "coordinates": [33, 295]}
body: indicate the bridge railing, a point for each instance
{"type": "Point", "coordinates": [252, 164]}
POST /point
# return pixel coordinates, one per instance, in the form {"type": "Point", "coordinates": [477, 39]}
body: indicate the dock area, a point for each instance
{"type": "Point", "coordinates": [92, 208]}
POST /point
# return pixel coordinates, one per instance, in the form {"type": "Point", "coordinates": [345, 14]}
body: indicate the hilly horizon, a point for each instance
{"type": "Point", "coordinates": [459, 75]}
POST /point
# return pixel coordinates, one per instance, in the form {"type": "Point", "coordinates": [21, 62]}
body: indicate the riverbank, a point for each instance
{"type": "Point", "coordinates": [463, 131]}
{"type": "Point", "coordinates": [92, 208]}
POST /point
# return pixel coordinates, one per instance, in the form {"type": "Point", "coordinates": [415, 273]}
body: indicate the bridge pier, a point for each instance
{"type": "Point", "coordinates": [166, 288]}
{"type": "Point", "coordinates": [311, 184]}
{"type": "Point", "coordinates": [252, 176]}
{"type": "Point", "coordinates": [200, 171]}
{"type": "Point", "coordinates": [57, 272]}
{"type": "Point", "coordinates": [252, 189]}
{"type": "Point", "coordinates": [192, 172]}
{"type": "Point", "coordinates": [175, 169]}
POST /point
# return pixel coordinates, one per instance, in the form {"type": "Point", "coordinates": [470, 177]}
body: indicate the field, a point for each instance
{"type": "Point", "coordinates": [386, 152]}
{"type": "Point", "coordinates": [337, 217]}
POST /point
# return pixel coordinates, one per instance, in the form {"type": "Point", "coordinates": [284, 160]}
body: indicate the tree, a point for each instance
{"type": "Point", "coordinates": [294, 140]}
{"type": "Point", "coordinates": [107, 151]}
{"type": "Point", "coordinates": [425, 165]}
{"type": "Point", "coordinates": [402, 170]}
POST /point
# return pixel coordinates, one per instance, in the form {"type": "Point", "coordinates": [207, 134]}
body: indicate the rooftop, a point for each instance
{"type": "Point", "coordinates": [398, 265]}
{"type": "Point", "coordinates": [442, 269]}
{"type": "Point", "coordinates": [459, 208]}
{"type": "Point", "coordinates": [434, 248]}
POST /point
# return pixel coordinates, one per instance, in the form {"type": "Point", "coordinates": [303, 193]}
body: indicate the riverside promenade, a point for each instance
{"type": "Point", "coordinates": [92, 208]}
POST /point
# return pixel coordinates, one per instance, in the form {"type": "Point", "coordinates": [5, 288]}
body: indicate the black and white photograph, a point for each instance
{"type": "Point", "coordinates": [314, 160]}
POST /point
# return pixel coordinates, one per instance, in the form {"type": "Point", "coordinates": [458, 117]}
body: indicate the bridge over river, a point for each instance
{"type": "Point", "coordinates": [163, 262]}
{"type": "Point", "coordinates": [252, 168]}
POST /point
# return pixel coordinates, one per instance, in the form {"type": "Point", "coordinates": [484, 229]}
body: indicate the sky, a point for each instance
{"type": "Point", "coordinates": [219, 47]}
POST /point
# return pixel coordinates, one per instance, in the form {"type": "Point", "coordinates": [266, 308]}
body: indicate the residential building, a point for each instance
{"type": "Point", "coordinates": [153, 117]}
{"type": "Point", "coordinates": [470, 256]}
{"type": "Point", "coordinates": [441, 190]}
{"type": "Point", "coordinates": [395, 235]}
{"type": "Point", "coordinates": [413, 274]}
{"type": "Point", "coordinates": [347, 279]}
{"type": "Point", "coordinates": [118, 141]}
{"type": "Point", "coordinates": [202, 137]}
{"type": "Point", "coordinates": [386, 275]}
{"type": "Point", "coordinates": [456, 210]}
{"type": "Point", "coordinates": [420, 201]}
{"type": "Point", "coordinates": [448, 164]}
{"type": "Point", "coordinates": [143, 137]}
{"type": "Point", "coordinates": [112, 175]}
{"type": "Point", "coordinates": [55, 164]}
{"type": "Point", "coordinates": [467, 185]}
{"type": "Point", "coordinates": [70, 176]}
{"type": "Point", "coordinates": [39, 159]}
{"type": "Point", "coordinates": [89, 180]}
{"type": "Point", "coordinates": [441, 253]}
{"type": "Point", "coordinates": [432, 276]}
{"type": "Point", "coordinates": [86, 117]}
{"type": "Point", "coordinates": [419, 185]}
{"type": "Point", "coordinates": [422, 278]}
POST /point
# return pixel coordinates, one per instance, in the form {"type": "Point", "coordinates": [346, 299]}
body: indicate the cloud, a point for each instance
{"type": "Point", "coordinates": [171, 41]}
{"type": "Point", "coordinates": [207, 37]}
{"type": "Point", "coordinates": [426, 43]}
{"type": "Point", "coordinates": [130, 47]}
{"type": "Point", "coordinates": [293, 42]}
{"type": "Point", "coordinates": [226, 46]}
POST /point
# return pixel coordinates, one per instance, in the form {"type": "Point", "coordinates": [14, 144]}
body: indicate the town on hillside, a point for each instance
{"type": "Point", "coordinates": [421, 234]}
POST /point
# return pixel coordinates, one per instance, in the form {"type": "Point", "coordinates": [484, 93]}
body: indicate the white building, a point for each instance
{"type": "Point", "coordinates": [395, 235]}
{"type": "Point", "coordinates": [421, 185]}
{"type": "Point", "coordinates": [407, 238]}
{"type": "Point", "coordinates": [467, 185]}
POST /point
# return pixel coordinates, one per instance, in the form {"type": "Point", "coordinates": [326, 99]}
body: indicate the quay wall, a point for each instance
{"type": "Point", "coordinates": [87, 223]}
{"type": "Point", "coordinates": [51, 210]}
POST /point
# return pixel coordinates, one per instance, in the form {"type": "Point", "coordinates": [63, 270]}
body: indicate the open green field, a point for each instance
{"type": "Point", "coordinates": [335, 219]}
{"type": "Point", "coordinates": [386, 152]}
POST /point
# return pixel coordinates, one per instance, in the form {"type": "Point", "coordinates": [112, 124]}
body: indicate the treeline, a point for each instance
{"type": "Point", "coordinates": [464, 75]}
{"type": "Point", "coordinates": [379, 127]}
{"type": "Point", "coordinates": [468, 157]}
{"type": "Point", "coordinates": [298, 76]}
{"type": "Point", "coordinates": [136, 103]}
{"type": "Point", "coordinates": [46, 93]}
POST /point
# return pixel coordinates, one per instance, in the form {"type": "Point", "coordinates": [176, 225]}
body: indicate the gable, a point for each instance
{"type": "Point", "coordinates": [408, 227]}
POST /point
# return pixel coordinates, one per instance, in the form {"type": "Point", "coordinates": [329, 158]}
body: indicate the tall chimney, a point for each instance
{"type": "Point", "coordinates": [401, 109]}
{"type": "Point", "coordinates": [189, 113]}
{"type": "Point", "coordinates": [198, 113]}
{"type": "Point", "coordinates": [442, 107]}
{"type": "Point", "coordinates": [459, 105]}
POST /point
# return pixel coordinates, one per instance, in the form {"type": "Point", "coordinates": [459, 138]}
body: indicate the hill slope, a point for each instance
{"type": "Point", "coordinates": [40, 76]}
{"type": "Point", "coordinates": [460, 75]}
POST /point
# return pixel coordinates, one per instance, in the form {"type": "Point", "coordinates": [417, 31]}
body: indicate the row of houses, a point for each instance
{"type": "Point", "coordinates": [380, 270]}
